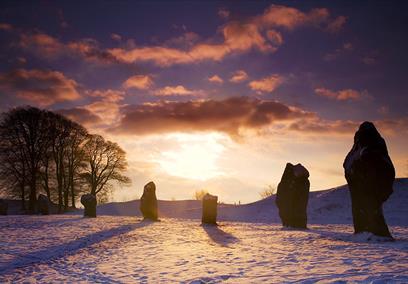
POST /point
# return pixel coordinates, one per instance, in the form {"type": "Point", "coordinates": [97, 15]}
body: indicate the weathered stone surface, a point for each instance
{"type": "Point", "coordinates": [209, 209]}
{"type": "Point", "coordinates": [292, 196]}
{"type": "Point", "coordinates": [370, 176]}
{"type": "Point", "coordinates": [3, 207]}
{"type": "Point", "coordinates": [148, 202]}
{"type": "Point", "coordinates": [89, 202]}
{"type": "Point", "coordinates": [43, 205]}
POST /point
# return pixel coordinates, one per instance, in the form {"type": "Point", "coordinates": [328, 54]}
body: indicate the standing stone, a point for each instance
{"type": "Point", "coordinates": [292, 196]}
{"type": "Point", "coordinates": [370, 176]}
{"type": "Point", "coordinates": [3, 207]}
{"type": "Point", "coordinates": [89, 202]}
{"type": "Point", "coordinates": [43, 204]}
{"type": "Point", "coordinates": [209, 209]}
{"type": "Point", "coordinates": [148, 202]}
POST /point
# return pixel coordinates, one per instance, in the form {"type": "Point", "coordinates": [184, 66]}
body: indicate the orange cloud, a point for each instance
{"type": "Point", "coordinates": [160, 55]}
{"type": "Point", "coordinates": [42, 87]}
{"type": "Point", "coordinates": [238, 36]}
{"type": "Point", "coordinates": [291, 18]}
{"type": "Point", "coordinates": [41, 43]}
{"type": "Point", "coordinates": [178, 90]}
{"type": "Point", "coordinates": [108, 110]}
{"type": "Point", "coordinates": [107, 95]}
{"type": "Point", "coordinates": [6, 27]}
{"type": "Point", "coordinates": [342, 95]}
{"type": "Point", "coordinates": [216, 79]}
{"type": "Point", "coordinates": [141, 82]}
{"type": "Point", "coordinates": [243, 37]}
{"type": "Point", "coordinates": [258, 33]}
{"type": "Point", "coordinates": [239, 76]}
{"type": "Point", "coordinates": [267, 84]}
{"type": "Point", "coordinates": [275, 37]}
{"type": "Point", "coordinates": [102, 112]}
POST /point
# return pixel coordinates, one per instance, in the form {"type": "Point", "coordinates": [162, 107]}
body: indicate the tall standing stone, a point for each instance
{"type": "Point", "coordinates": [89, 202]}
{"type": "Point", "coordinates": [209, 209]}
{"type": "Point", "coordinates": [292, 196]}
{"type": "Point", "coordinates": [148, 202]}
{"type": "Point", "coordinates": [43, 205]}
{"type": "Point", "coordinates": [370, 176]}
{"type": "Point", "coordinates": [3, 207]}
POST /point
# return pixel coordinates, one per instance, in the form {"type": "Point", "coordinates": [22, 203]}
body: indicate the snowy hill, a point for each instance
{"type": "Point", "coordinates": [331, 206]}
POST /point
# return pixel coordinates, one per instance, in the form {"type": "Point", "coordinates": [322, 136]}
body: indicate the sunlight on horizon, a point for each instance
{"type": "Point", "coordinates": [195, 156]}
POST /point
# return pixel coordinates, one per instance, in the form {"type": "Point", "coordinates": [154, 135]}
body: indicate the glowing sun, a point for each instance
{"type": "Point", "coordinates": [194, 157]}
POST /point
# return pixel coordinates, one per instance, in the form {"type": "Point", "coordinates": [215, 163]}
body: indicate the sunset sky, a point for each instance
{"type": "Point", "coordinates": [215, 95]}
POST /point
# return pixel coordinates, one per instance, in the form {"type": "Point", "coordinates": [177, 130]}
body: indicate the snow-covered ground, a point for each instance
{"type": "Point", "coordinates": [128, 250]}
{"type": "Point", "coordinates": [125, 249]}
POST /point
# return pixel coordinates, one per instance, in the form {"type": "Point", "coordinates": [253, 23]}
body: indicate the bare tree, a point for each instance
{"type": "Point", "coordinates": [199, 194]}
{"type": "Point", "coordinates": [268, 191]}
{"type": "Point", "coordinates": [59, 143]}
{"type": "Point", "coordinates": [45, 151]}
{"type": "Point", "coordinates": [26, 130]}
{"type": "Point", "coordinates": [12, 170]}
{"type": "Point", "coordinates": [75, 159]}
{"type": "Point", "coordinates": [106, 163]}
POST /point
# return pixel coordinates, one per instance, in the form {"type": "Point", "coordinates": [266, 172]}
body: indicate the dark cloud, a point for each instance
{"type": "Point", "coordinates": [41, 87]}
{"type": "Point", "coordinates": [81, 115]}
{"type": "Point", "coordinates": [230, 116]}
{"type": "Point", "coordinates": [319, 126]}
{"type": "Point", "coordinates": [47, 46]}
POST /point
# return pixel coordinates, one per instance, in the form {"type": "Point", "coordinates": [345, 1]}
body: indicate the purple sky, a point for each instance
{"type": "Point", "coordinates": [218, 94]}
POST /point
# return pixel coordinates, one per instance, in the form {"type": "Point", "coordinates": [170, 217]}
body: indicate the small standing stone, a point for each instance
{"type": "Point", "coordinates": [292, 196]}
{"type": "Point", "coordinates": [148, 202]}
{"type": "Point", "coordinates": [370, 176]}
{"type": "Point", "coordinates": [209, 209]}
{"type": "Point", "coordinates": [3, 207]}
{"type": "Point", "coordinates": [43, 205]}
{"type": "Point", "coordinates": [89, 202]}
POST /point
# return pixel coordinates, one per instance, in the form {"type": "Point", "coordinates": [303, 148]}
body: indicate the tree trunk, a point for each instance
{"type": "Point", "coordinates": [46, 179]}
{"type": "Point", "coordinates": [73, 198]}
{"type": "Point", "coordinates": [72, 194]}
{"type": "Point", "coordinates": [65, 199]}
{"type": "Point", "coordinates": [22, 186]}
{"type": "Point", "coordinates": [59, 173]}
{"type": "Point", "coordinates": [59, 199]}
{"type": "Point", "coordinates": [33, 193]}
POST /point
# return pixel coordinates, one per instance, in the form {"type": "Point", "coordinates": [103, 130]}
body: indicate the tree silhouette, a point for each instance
{"type": "Point", "coordinates": [199, 194]}
{"type": "Point", "coordinates": [106, 162]}
{"type": "Point", "coordinates": [24, 131]}
{"type": "Point", "coordinates": [43, 151]}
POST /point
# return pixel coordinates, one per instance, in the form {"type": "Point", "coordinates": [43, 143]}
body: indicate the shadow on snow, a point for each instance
{"type": "Point", "coordinates": [70, 248]}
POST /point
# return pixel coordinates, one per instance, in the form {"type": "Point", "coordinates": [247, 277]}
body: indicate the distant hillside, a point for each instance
{"type": "Point", "coordinates": [332, 206]}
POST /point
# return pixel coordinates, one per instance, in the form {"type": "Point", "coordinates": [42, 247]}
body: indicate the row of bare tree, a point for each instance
{"type": "Point", "coordinates": [42, 151]}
